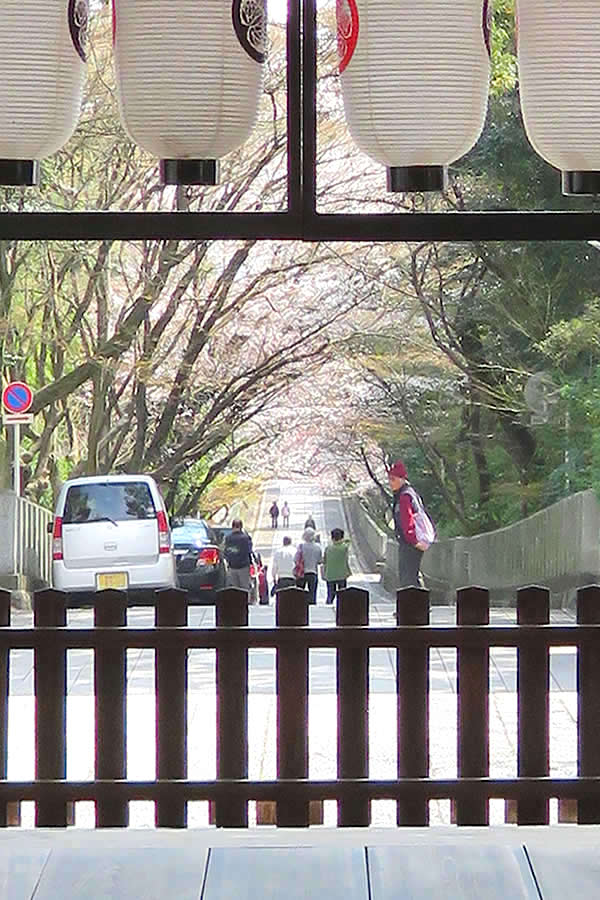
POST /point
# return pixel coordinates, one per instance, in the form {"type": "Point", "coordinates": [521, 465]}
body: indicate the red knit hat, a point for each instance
{"type": "Point", "coordinates": [398, 469]}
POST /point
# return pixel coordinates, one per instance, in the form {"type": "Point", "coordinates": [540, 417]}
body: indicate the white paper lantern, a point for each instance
{"type": "Point", "coordinates": [42, 71]}
{"type": "Point", "coordinates": [559, 77]}
{"type": "Point", "coordinates": [415, 77]}
{"type": "Point", "coordinates": [189, 75]}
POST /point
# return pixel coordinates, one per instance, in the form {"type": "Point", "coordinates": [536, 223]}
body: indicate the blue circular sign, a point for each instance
{"type": "Point", "coordinates": [17, 397]}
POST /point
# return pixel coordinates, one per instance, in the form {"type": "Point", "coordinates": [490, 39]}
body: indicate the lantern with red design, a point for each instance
{"type": "Point", "coordinates": [42, 72]}
{"type": "Point", "coordinates": [414, 77]}
{"type": "Point", "coordinates": [189, 77]}
{"type": "Point", "coordinates": [559, 81]}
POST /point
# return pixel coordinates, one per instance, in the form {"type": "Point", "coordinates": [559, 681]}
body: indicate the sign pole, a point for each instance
{"type": "Point", "coordinates": [17, 459]}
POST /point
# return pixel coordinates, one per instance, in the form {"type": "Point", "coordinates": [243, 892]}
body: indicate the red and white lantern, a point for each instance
{"type": "Point", "coordinates": [559, 80]}
{"type": "Point", "coordinates": [415, 76]}
{"type": "Point", "coordinates": [42, 72]}
{"type": "Point", "coordinates": [189, 78]}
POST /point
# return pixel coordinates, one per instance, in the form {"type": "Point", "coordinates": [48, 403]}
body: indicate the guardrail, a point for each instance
{"type": "Point", "coordinates": [557, 546]}
{"type": "Point", "coordinates": [292, 791]}
{"type": "Point", "coordinates": [25, 549]}
{"type": "Point", "coordinates": [32, 544]}
{"type": "Point", "coordinates": [369, 540]}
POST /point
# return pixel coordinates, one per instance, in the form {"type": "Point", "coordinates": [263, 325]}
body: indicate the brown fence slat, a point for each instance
{"type": "Point", "coordinates": [232, 706]}
{"type": "Point", "coordinates": [533, 671]}
{"type": "Point", "coordinates": [110, 675]}
{"type": "Point", "coordinates": [412, 687]}
{"type": "Point", "coordinates": [472, 667]}
{"type": "Point", "coordinates": [50, 681]}
{"type": "Point", "coordinates": [292, 707]}
{"type": "Point", "coordinates": [171, 708]}
{"type": "Point", "coordinates": [588, 687]}
{"type": "Point", "coordinates": [353, 707]}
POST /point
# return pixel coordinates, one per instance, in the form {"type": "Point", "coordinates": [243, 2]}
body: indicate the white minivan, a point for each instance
{"type": "Point", "coordinates": [112, 531]}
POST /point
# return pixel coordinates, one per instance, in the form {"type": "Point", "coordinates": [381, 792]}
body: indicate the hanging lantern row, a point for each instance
{"type": "Point", "coordinates": [42, 72]}
{"type": "Point", "coordinates": [189, 78]}
{"type": "Point", "coordinates": [414, 77]}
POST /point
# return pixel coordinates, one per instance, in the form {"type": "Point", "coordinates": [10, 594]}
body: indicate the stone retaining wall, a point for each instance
{"type": "Point", "coordinates": [558, 547]}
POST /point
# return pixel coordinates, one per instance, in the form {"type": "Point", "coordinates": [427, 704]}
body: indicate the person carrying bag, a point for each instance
{"type": "Point", "coordinates": [309, 556]}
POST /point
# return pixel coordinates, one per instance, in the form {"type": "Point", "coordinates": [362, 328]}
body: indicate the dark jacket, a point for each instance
{"type": "Point", "coordinates": [238, 550]}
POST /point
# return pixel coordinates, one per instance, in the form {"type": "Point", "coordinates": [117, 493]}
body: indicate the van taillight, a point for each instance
{"type": "Point", "coordinates": [164, 544]}
{"type": "Point", "coordinates": [57, 545]}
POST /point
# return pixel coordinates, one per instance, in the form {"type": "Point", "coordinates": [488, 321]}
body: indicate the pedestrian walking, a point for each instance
{"type": "Point", "coordinates": [310, 555]}
{"type": "Point", "coordinates": [263, 581]}
{"type": "Point", "coordinates": [274, 513]}
{"type": "Point", "coordinates": [336, 567]}
{"type": "Point", "coordinates": [282, 567]}
{"type": "Point", "coordinates": [310, 522]}
{"type": "Point", "coordinates": [238, 555]}
{"type": "Point", "coordinates": [413, 527]}
{"type": "Point", "coordinates": [285, 512]}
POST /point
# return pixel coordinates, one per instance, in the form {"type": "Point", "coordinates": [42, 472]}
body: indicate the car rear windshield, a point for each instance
{"type": "Point", "coordinates": [108, 501]}
{"type": "Point", "coordinates": [189, 532]}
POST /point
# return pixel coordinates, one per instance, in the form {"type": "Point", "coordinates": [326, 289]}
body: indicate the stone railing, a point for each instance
{"type": "Point", "coordinates": [369, 540]}
{"type": "Point", "coordinates": [558, 547]}
{"type": "Point", "coordinates": [25, 557]}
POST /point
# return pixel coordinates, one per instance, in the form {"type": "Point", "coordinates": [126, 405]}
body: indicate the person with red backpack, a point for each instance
{"type": "Point", "coordinates": [414, 529]}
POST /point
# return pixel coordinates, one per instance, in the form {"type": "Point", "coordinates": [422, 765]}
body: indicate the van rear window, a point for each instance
{"type": "Point", "coordinates": [108, 501]}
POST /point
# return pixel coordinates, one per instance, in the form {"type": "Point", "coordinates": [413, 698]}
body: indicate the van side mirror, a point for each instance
{"type": "Point", "coordinates": [50, 527]}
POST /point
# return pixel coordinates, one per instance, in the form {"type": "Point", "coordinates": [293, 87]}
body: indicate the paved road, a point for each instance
{"type": "Point", "coordinates": [327, 512]}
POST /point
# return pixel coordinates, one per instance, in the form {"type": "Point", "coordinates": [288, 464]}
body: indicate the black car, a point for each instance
{"type": "Point", "coordinates": [199, 560]}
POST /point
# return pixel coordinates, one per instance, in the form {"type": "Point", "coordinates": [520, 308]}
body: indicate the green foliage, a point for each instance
{"type": "Point", "coordinates": [571, 343]}
{"type": "Point", "coordinates": [504, 67]}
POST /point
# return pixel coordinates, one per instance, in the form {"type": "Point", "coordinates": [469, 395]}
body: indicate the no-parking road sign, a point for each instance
{"type": "Point", "coordinates": [17, 397]}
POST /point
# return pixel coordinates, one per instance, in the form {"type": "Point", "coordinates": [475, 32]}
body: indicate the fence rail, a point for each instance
{"type": "Point", "coordinates": [293, 792]}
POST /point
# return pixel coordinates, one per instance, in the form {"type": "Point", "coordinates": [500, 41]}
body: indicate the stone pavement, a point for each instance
{"type": "Point", "coordinates": [542, 863]}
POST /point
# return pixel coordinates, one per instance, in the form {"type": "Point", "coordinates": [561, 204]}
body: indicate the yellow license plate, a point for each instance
{"type": "Point", "coordinates": [116, 581]}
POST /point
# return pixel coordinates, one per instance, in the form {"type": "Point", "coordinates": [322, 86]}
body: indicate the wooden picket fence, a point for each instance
{"type": "Point", "coordinates": [293, 792]}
